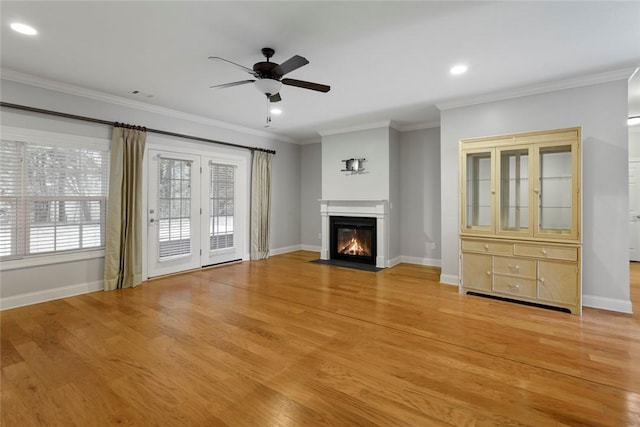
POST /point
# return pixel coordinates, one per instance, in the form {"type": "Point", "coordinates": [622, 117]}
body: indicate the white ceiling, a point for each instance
{"type": "Point", "coordinates": [383, 60]}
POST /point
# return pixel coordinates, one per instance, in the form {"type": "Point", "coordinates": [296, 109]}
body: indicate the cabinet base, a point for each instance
{"type": "Point", "coordinates": [521, 302]}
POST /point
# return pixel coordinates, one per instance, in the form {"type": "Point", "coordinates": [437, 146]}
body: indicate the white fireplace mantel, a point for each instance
{"type": "Point", "coordinates": [378, 209]}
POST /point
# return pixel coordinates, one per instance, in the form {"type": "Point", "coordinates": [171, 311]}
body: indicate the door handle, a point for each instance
{"type": "Point", "coordinates": [638, 216]}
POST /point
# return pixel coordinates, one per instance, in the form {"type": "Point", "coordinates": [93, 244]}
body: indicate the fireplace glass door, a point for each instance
{"type": "Point", "coordinates": [353, 239]}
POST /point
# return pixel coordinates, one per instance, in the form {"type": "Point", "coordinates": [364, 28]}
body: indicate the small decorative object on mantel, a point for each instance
{"type": "Point", "coordinates": [353, 165]}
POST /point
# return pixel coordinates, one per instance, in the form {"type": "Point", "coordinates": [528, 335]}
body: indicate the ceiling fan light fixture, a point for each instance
{"type": "Point", "coordinates": [633, 121]}
{"type": "Point", "coordinates": [268, 86]}
{"type": "Point", "coordinates": [276, 111]}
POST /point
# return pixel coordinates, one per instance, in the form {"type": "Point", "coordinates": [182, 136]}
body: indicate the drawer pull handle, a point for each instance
{"type": "Point", "coordinates": [544, 251]}
{"type": "Point", "coordinates": [542, 280]}
{"type": "Point", "coordinates": [514, 287]}
{"type": "Point", "coordinates": [488, 273]}
{"type": "Point", "coordinates": [486, 247]}
{"type": "Point", "coordinates": [514, 267]}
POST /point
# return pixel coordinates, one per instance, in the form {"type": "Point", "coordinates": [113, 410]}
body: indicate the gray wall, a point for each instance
{"type": "Point", "coordinates": [373, 184]}
{"type": "Point", "coordinates": [420, 195]}
{"type": "Point", "coordinates": [634, 142]}
{"type": "Point", "coordinates": [395, 205]}
{"type": "Point", "coordinates": [310, 194]}
{"type": "Point", "coordinates": [601, 110]}
{"type": "Point", "coordinates": [285, 217]}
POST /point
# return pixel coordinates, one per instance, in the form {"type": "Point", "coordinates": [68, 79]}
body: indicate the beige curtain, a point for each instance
{"type": "Point", "coordinates": [123, 258]}
{"type": "Point", "coordinates": [260, 204]}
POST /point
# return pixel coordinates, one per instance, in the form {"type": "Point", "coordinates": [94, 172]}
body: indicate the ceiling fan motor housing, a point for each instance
{"type": "Point", "coordinates": [267, 70]}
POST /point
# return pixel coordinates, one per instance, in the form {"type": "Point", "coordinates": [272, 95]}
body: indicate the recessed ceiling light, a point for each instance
{"type": "Point", "coordinates": [458, 69]}
{"type": "Point", "coordinates": [276, 111]}
{"type": "Point", "coordinates": [24, 29]}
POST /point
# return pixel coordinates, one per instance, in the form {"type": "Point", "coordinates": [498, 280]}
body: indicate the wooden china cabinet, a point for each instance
{"type": "Point", "coordinates": [520, 210]}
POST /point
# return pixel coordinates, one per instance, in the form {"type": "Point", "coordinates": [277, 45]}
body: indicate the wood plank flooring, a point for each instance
{"type": "Point", "coordinates": [286, 342]}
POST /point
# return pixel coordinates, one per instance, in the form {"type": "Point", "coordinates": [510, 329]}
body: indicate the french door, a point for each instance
{"type": "Point", "coordinates": [195, 212]}
{"type": "Point", "coordinates": [634, 210]}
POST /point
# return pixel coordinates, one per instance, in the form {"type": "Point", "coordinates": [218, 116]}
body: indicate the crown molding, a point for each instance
{"type": "Point", "coordinates": [418, 126]}
{"type": "Point", "coordinates": [367, 126]}
{"type": "Point", "coordinates": [26, 79]}
{"type": "Point", "coordinates": [315, 140]}
{"type": "Point", "coordinates": [623, 74]}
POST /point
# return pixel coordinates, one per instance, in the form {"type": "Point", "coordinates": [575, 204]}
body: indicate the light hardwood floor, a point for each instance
{"type": "Point", "coordinates": [285, 342]}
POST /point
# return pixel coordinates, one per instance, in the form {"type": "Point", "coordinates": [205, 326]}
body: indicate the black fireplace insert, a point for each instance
{"type": "Point", "coordinates": [353, 239]}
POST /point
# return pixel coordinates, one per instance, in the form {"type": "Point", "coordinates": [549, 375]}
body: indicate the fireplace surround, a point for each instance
{"type": "Point", "coordinates": [377, 210]}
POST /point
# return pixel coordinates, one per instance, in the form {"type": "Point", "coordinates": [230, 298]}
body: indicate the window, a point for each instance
{"type": "Point", "coordinates": [53, 193]}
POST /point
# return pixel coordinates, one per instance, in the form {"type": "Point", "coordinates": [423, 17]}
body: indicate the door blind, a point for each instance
{"type": "Point", "coordinates": [222, 197]}
{"type": "Point", "coordinates": [174, 208]}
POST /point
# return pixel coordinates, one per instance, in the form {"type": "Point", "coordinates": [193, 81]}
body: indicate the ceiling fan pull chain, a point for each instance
{"type": "Point", "coordinates": [268, 111]}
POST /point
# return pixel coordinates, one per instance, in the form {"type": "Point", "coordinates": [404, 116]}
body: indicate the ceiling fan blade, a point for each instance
{"type": "Point", "coordinates": [293, 63]}
{"type": "Point", "coordinates": [242, 67]}
{"type": "Point", "coordinates": [224, 85]}
{"type": "Point", "coordinates": [275, 98]}
{"type": "Point", "coordinates": [306, 85]}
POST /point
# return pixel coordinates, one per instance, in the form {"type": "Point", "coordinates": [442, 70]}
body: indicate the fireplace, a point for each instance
{"type": "Point", "coordinates": [353, 239]}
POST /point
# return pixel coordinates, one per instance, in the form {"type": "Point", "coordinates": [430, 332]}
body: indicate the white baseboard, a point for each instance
{"type": "Point", "coordinates": [285, 250]}
{"type": "Point", "coordinates": [605, 303]}
{"type": "Point", "coordinates": [50, 295]}
{"type": "Point", "coordinates": [449, 279]}
{"type": "Point", "coordinates": [394, 261]}
{"type": "Point", "coordinates": [430, 262]}
{"type": "Point", "coordinates": [310, 248]}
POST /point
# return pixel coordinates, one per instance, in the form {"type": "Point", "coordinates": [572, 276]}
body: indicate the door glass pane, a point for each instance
{"type": "Point", "coordinates": [478, 203]}
{"type": "Point", "coordinates": [174, 203]}
{"type": "Point", "coordinates": [555, 189]}
{"type": "Point", "coordinates": [222, 196]}
{"type": "Point", "coordinates": [514, 190]}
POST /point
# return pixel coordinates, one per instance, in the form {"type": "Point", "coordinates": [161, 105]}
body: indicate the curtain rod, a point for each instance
{"type": "Point", "coordinates": [106, 122]}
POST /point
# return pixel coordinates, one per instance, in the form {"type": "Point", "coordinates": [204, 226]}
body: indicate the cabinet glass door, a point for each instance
{"type": "Point", "coordinates": [514, 191]}
{"type": "Point", "coordinates": [555, 191]}
{"type": "Point", "coordinates": [478, 212]}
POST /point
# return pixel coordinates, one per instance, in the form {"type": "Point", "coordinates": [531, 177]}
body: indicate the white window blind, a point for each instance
{"type": "Point", "coordinates": [222, 196]}
{"type": "Point", "coordinates": [174, 208]}
{"type": "Point", "coordinates": [52, 198]}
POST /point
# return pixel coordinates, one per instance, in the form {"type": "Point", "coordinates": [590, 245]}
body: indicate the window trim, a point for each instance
{"type": "Point", "coordinates": [16, 134]}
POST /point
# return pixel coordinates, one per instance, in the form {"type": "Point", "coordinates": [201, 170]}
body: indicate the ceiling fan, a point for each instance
{"type": "Point", "coordinates": [268, 75]}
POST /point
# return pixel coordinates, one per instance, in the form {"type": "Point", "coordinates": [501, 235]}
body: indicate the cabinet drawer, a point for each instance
{"type": "Point", "coordinates": [515, 266]}
{"type": "Point", "coordinates": [514, 286]}
{"type": "Point", "coordinates": [487, 247]}
{"type": "Point", "coordinates": [551, 252]}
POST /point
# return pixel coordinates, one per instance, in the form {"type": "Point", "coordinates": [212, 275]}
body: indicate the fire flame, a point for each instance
{"type": "Point", "coordinates": [354, 247]}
